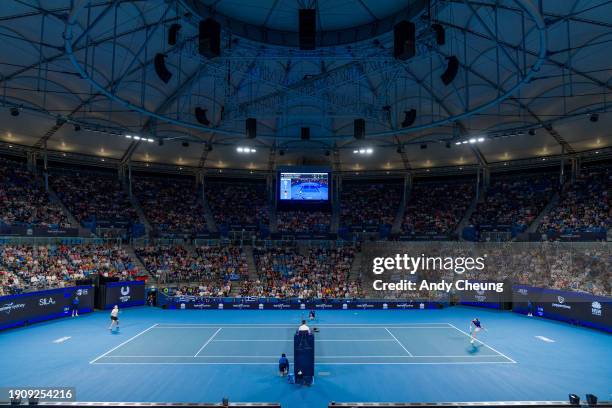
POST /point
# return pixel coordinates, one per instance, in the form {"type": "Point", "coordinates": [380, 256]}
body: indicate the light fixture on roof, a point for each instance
{"type": "Point", "coordinates": [246, 150]}
{"type": "Point", "coordinates": [363, 150]}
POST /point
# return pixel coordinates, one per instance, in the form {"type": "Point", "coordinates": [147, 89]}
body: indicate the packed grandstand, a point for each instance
{"type": "Point", "coordinates": [228, 239]}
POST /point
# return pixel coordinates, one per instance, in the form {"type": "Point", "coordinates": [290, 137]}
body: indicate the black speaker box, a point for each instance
{"type": "Point", "coordinates": [209, 39]}
{"type": "Point", "coordinates": [359, 129]}
{"type": "Point", "coordinates": [307, 29]}
{"type": "Point", "coordinates": [160, 68]}
{"type": "Point", "coordinates": [251, 128]}
{"type": "Point", "coordinates": [451, 70]}
{"type": "Point", "coordinates": [404, 40]}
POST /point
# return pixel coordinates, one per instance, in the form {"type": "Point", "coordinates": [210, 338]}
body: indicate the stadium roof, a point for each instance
{"type": "Point", "coordinates": [531, 76]}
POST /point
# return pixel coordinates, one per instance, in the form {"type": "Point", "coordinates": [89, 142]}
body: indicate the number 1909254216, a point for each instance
{"type": "Point", "coordinates": [38, 393]}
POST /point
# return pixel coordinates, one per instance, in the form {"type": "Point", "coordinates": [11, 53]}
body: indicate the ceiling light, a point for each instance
{"type": "Point", "coordinates": [150, 140]}
{"type": "Point", "coordinates": [128, 136]}
{"type": "Point", "coordinates": [480, 139]}
{"type": "Point", "coordinates": [472, 140]}
{"type": "Point", "coordinates": [369, 151]}
{"type": "Point", "coordinates": [136, 137]}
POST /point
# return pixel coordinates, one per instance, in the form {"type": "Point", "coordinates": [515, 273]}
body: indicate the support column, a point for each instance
{"type": "Point", "coordinates": [408, 179]}
{"type": "Point", "coordinates": [31, 157]}
{"type": "Point", "coordinates": [45, 166]}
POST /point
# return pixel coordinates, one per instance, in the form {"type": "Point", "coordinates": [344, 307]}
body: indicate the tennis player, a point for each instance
{"type": "Point", "coordinates": [114, 318]}
{"type": "Point", "coordinates": [311, 315]}
{"type": "Point", "coordinates": [475, 327]}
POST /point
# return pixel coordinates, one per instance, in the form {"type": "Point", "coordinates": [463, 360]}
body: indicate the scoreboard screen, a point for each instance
{"type": "Point", "coordinates": [303, 186]}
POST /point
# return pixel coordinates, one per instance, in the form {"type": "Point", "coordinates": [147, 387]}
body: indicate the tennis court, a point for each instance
{"type": "Point", "coordinates": [336, 344]}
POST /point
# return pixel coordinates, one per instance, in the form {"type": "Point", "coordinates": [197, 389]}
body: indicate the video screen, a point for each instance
{"type": "Point", "coordinates": [304, 186]}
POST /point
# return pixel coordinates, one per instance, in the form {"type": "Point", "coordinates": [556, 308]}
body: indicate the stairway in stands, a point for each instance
{"type": "Point", "coordinates": [466, 217]}
{"type": "Point", "coordinates": [545, 211]}
{"type": "Point", "coordinates": [139, 264]}
{"type": "Point", "coordinates": [142, 218]}
{"type": "Point", "coordinates": [211, 225]}
{"type": "Point", "coordinates": [396, 228]}
{"type": "Point", "coordinates": [54, 198]}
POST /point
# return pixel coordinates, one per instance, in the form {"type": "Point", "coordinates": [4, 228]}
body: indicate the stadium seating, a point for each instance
{"type": "Point", "coordinates": [213, 268]}
{"type": "Point", "coordinates": [513, 202]}
{"type": "Point", "coordinates": [320, 273]}
{"type": "Point", "coordinates": [172, 206]}
{"type": "Point", "coordinates": [436, 207]}
{"type": "Point", "coordinates": [94, 197]}
{"type": "Point", "coordinates": [584, 206]}
{"type": "Point", "coordinates": [23, 200]}
{"type": "Point", "coordinates": [290, 222]}
{"type": "Point", "coordinates": [371, 205]}
{"type": "Point", "coordinates": [30, 267]}
{"type": "Point", "coordinates": [238, 205]}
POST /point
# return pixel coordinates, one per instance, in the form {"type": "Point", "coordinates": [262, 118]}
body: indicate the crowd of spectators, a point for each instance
{"type": "Point", "coordinates": [318, 273]}
{"type": "Point", "coordinates": [94, 197]}
{"type": "Point", "coordinates": [372, 204]}
{"type": "Point", "coordinates": [31, 267]}
{"type": "Point", "coordinates": [213, 268]}
{"type": "Point", "coordinates": [583, 267]}
{"type": "Point", "coordinates": [437, 207]}
{"type": "Point", "coordinates": [238, 204]}
{"type": "Point", "coordinates": [514, 201]}
{"type": "Point", "coordinates": [317, 222]}
{"type": "Point", "coordinates": [584, 206]}
{"type": "Point", "coordinates": [23, 199]}
{"type": "Point", "coordinates": [172, 206]}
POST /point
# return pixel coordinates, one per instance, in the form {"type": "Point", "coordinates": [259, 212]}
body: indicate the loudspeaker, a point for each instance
{"type": "Point", "coordinates": [409, 118]}
{"type": "Point", "coordinates": [451, 70]}
{"type": "Point", "coordinates": [173, 33]}
{"type": "Point", "coordinates": [305, 133]}
{"type": "Point", "coordinates": [160, 68]}
{"type": "Point", "coordinates": [359, 129]}
{"type": "Point", "coordinates": [251, 128]}
{"type": "Point", "coordinates": [307, 29]}
{"type": "Point", "coordinates": [200, 115]}
{"type": "Point", "coordinates": [440, 33]}
{"type": "Point", "coordinates": [209, 39]}
{"type": "Point", "coordinates": [404, 40]}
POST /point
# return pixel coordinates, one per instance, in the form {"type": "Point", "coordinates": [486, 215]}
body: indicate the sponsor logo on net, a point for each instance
{"type": "Point", "coordinates": [9, 307]}
{"type": "Point", "coordinates": [561, 303]}
{"type": "Point", "coordinates": [596, 308]}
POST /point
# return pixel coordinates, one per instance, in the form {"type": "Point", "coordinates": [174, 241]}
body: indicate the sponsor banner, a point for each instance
{"type": "Point", "coordinates": [203, 303]}
{"type": "Point", "coordinates": [124, 294]}
{"type": "Point", "coordinates": [26, 308]}
{"type": "Point", "coordinates": [491, 299]}
{"type": "Point", "coordinates": [574, 307]}
{"type": "Point", "coordinates": [37, 231]}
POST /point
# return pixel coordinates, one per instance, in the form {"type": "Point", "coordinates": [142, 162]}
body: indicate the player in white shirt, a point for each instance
{"type": "Point", "coordinates": [114, 318]}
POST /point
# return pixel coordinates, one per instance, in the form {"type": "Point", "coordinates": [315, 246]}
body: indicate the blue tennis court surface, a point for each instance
{"type": "Point", "coordinates": [423, 343]}
{"type": "Point", "coordinates": [203, 356]}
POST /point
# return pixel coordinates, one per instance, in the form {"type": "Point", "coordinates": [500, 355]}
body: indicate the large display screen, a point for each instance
{"type": "Point", "coordinates": [304, 186]}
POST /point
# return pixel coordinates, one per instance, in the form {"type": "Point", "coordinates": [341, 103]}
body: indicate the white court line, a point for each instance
{"type": "Point", "coordinates": [545, 339]}
{"type": "Point", "coordinates": [487, 346]}
{"type": "Point", "coordinates": [265, 326]}
{"type": "Point", "coordinates": [208, 341]}
{"type": "Point", "coordinates": [398, 342]}
{"type": "Point", "coordinates": [291, 340]}
{"type": "Point", "coordinates": [326, 364]}
{"type": "Point", "coordinates": [276, 356]}
{"type": "Point", "coordinates": [364, 325]}
{"type": "Point", "coordinates": [125, 342]}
